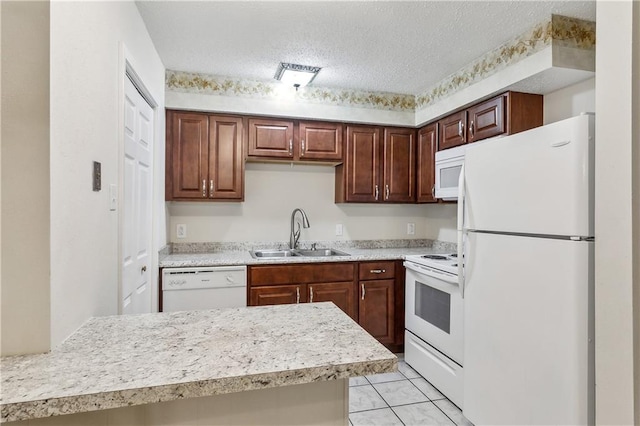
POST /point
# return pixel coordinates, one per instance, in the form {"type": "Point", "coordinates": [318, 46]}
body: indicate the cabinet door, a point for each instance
{"type": "Point", "coordinates": [188, 163]}
{"type": "Point", "coordinates": [425, 168]}
{"type": "Point", "coordinates": [452, 130]}
{"type": "Point", "coordinates": [342, 294]}
{"type": "Point", "coordinates": [376, 309]}
{"type": "Point", "coordinates": [270, 138]}
{"type": "Point", "coordinates": [486, 119]}
{"type": "Point", "coordinates": [399, 148]}
{"type": "Point", "coordinates": [362, 164]}
{"type": "Point", "coordinates": [278, 295]}
{"type": "Point", "coordinates": [320, 141]}
{"type": "Point", "coordinates": [226, 165]}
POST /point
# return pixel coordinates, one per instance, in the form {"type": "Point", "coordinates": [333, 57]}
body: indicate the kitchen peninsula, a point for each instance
{"type": "Point", "coordinates": [285, 364]}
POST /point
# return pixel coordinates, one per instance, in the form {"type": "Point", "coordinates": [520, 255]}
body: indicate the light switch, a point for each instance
{"type": "Point", "coordinates": [113, 197]}
{"type": "Point", "coordinates": [181, 230]}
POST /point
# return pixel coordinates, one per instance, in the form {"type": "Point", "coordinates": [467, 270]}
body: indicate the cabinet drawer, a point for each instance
{"type": "Point", "coordinates": [301, 273]}
{"type": "Point", "coordinates": [376, 270]}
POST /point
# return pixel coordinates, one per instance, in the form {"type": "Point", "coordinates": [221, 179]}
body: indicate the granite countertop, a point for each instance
{"type": "Point", "coordinates": [118, 361]}
{"type": "Point", "coordinates": [238, 253]}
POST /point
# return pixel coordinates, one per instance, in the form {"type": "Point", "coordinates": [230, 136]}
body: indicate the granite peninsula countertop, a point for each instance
{"type": "Point", "coordinates": [220, 254]}
{"type": "Point", "coordinates": [125, 360]}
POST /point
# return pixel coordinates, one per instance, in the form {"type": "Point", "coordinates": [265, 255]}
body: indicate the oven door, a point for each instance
{"type": "Point", "coordinates": [434, 309]}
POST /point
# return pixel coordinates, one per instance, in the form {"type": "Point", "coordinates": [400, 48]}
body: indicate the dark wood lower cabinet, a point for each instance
{"type": "Point", "coordinates": [376, 309]}
{"type": "Point", "coordinates": [277, 295]}
{"type": "Point", "coordinates": [342, 294]}
{"type": "Point", "coordinates": [372, 293]}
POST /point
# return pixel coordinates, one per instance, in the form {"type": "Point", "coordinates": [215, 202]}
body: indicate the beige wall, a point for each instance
{"type": "Point", "coordinates": [570, 101]}
{"type": "Point", "coordinates": [617, 275]}
{"type": "Point", "coordinates": [25, 177]}
{"type": "Point", "coordinates": [87, 78]}
{"type": "Point", "coordinates": [273, 190]}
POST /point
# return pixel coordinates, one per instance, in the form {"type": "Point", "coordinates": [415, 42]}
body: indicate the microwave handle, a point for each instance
{"type": "Point", "coordinates": [461, 230]}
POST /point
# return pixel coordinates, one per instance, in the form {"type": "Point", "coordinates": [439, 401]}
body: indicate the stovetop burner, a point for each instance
{"type": "Point", "coordinates": [443, 261]}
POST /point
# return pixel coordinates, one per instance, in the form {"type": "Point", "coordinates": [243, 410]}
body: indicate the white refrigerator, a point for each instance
{"type": "Point", "coordinates": [525, 234]}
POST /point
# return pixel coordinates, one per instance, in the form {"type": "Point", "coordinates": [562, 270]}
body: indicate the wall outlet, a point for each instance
{"type": "Point", "coordinates": [411, 228]}
{"type": "Point", "coordinates": [181, 230]}
{"type": "Point", "coordinates": [339, 229]}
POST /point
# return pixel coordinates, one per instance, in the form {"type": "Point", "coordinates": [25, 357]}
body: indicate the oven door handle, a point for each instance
{"type": "Point", "coordinates": [423, 270]}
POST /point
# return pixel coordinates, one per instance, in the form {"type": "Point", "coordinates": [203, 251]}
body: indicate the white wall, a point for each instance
{"type": "Point", "coordinates": [25, 177]}
{"type": "Point", "coordinates": [570, 101]}
{"type": "Point", "coordinates": [86, 85]}
{"type": "Point", "coordinates": [616, 215]}
{"type": "Point", "coordinates": [273, 190]}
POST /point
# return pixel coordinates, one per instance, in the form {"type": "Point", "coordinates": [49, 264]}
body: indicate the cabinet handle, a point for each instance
{"type": "Point", "coordinates": [204, 187]}
{"type": "Point", "coordinates": [376, 192]}
{"type": "Point", "coordinates": [143, 269]}
{"type": "Point", "coordinates": [211, 188]}
{"type": "Point", "coordinates": [297, 294]}
{"type": "Point", "coordinates": [363, 291]}
{"type": "Point", "coordinates": [471, 128]}
{"type": "Point", "coordinates": [290, 146]}
{"type": "Point", "coordinates": [302, 150]}
{"type": "Point", "coordinates": [433, 191]}
{"type": "Point", "coordinates": [377, 271]}
{"type": "Point", "coordinates": [460, 129]}
{"type": "Point", "coordinates": [310, 294]}
{"type": "Point", "coordinates": [386, 192]}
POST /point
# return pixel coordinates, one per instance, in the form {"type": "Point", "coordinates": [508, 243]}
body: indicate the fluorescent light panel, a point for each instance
{"type": "Point", "coordinates": [296, 75]}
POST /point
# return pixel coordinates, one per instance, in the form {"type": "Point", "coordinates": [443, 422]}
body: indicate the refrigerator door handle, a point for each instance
{"type": "Point", "coordinates": [461, 236]}
{"type": "Point", "coordinates": [461, 195]}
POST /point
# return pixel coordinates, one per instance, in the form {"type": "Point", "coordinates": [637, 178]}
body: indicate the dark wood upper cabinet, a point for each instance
{"type": "Point", "coordinates": [187, 156]}
{"type": "Point", "coordinates": [320, 141]}
{"type": "Point", "coordinates": [270, 138]}
{"type": "Point", "coordinates": [486, 119]}
{"type": "Point", "coordinates": [290, 140]}
{"type": "Point", "coordinates": [226, 163]}
{"type": "Point", "coordinates": [425, 167]}
{"type": "Point", "coordinates": [358, 178]}
{"type": "Point", "coordinates": [508, 113]}
{"type": "Point", "coordinates": [399, 165]}
{"type": "Point", "coordinates": [375, 171]}
{"type": "Point", "coordinates": [452, 130]}
{"type": "Point", "coordinates": [204, 157]}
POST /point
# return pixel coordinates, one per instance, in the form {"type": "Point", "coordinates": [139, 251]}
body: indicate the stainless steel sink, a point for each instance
{"type": "Point", "coordinates": [262, 254]}
{"type": "Point", "coordinates": [323, 252]}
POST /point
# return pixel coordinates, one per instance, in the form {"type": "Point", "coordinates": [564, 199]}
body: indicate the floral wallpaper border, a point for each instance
{"type": "Point", "coordinates": [557, 31]}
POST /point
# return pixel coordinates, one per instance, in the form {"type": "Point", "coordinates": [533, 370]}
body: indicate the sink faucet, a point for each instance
{"type": "Point", "coordinates": [295, 233]}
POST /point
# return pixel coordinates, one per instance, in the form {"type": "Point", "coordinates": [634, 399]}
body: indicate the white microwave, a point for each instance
{"type": "Point", "coordinates": [448, 166]}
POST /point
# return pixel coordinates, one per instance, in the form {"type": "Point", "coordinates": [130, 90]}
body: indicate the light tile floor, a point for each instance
{"type": "Point", "coordinates": [402, 398]}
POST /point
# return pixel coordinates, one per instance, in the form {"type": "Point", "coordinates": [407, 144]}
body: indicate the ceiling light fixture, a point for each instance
{"type": "Point", "coordinates": [296, 75]}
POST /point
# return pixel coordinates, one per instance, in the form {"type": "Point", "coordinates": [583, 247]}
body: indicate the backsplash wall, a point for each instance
{"type": "Point", "coordinates": [273, 190]}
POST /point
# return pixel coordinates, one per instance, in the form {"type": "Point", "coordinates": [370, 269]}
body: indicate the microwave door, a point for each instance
{"type": "Point", "coordinates": [447, 174]}
{"type": "Point", "coordinates": [448, 165]}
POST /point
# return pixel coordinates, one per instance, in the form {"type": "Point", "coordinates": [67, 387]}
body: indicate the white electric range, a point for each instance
{"type": "Point", "coordinates": [434, 322]}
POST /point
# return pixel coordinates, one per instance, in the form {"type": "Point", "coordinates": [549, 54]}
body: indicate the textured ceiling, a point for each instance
{"type": "Point", "coordinates": [399, 47]}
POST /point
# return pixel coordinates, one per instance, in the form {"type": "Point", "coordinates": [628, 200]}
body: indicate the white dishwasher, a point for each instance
{"type": "Point", "coordinates": [185, 289]}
